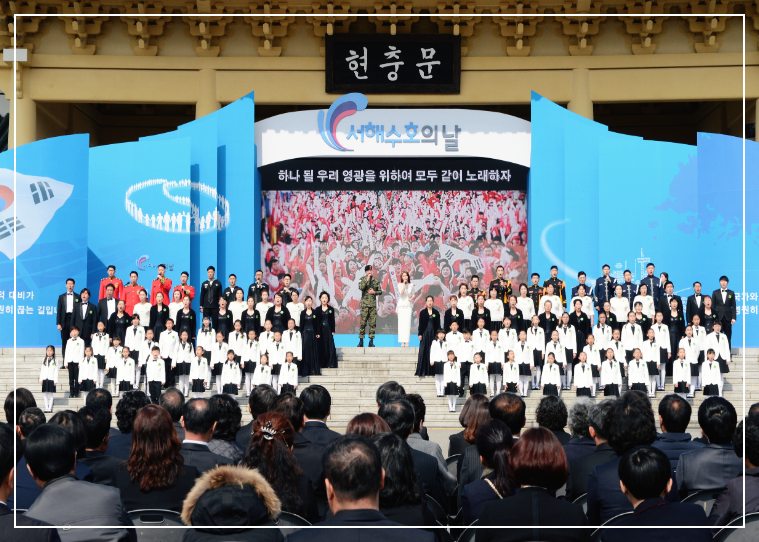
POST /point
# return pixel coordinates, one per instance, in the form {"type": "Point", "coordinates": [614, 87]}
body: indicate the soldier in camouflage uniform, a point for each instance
{"type": "Point", "coordinates": [370, 289]}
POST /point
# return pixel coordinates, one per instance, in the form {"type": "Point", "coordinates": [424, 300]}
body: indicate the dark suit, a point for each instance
{"type": "Point", "coordinates": [711, 467]}
{"type": "Point", "coordinates": [471, 469]}
{"type": "Point", "coordinates": [426, 469]}
{"type": "Point", "coordinates": [664, 307]}
{"type": "Point", "coordinates": [103, 315]}
{"type": "Point", "coordinates": [362, 521]}
{"type": "Point", "coordinates": [660, 513]}
{"type": "Point", "coordinates": [243, 435]}
{"type": "Point", "coordinates": [691, 308]}
{"type": "Point", "coordinates": [120, 445]}
{"type": "Point", "coordinates": [9, 534]}
{"type": "Point", "coordinates": [578, 447]}
{"type": "Point", "coordinates": [64, 319]}
{"type": "Point", "coordinates": [729, 505]}
{"type": "Point", "coordinates": [180, 431]}
{"type": "Point", "coordinates": [725, 310]}
{"type": "Point", "coordinates": [159, 499]}
{"type": "Point", "coordinates": [210, 292]}
{"type": "Point", "coordinates": [201, 457]}
{"type": "Point", "coordinates": [103, 466]}
{"type": "Point", "coordinates": [456, 444]}
{"type": "Point", "coordinates": [476, 495]}
{"type": "Point", "coordinates": [308, 455]}
{"type": "Point", "coordinates": [562, 436]}
{"type": "Point", "coordinates": [27, 491]}
{"type": "Point", "coordinates": [318, 433]}
{"type": "Point", "coordinates": [655, 287]}
{"type": "Point", "coordinates": [580, 469]}
{"type": "Point", "coordinates": [537, 507]}
{"type": "Point", "coordinates": [675, 444]}
{"type": "Point", "coordinates": [88, 324]}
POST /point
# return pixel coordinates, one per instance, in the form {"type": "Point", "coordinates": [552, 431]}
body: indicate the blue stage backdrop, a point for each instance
{"type": "Point", "coordinates": [597, 197]}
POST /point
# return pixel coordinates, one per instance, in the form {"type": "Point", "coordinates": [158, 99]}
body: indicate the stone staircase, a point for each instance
{"type": "Point", "coordinates": [362, 370]}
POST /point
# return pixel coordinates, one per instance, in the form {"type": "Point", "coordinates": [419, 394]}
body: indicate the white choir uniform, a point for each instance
{"type": "Point", "coordinates": [452, 379]}
{"type": "Point", "coordinates": [198, 375]}
{"type": "Point", "coordinates": [511, 376]}
{"type": "Point", "coordinates": [112, 364]}
{"type": "Point", "coordinates": [690, 345]}
{"type": "Point", "coordinates": [632, 338]}
{"type": "Point", "coordinates": [230, 377]}
{"type": "Point", "coordinates": [651, 355]}
{"type": "Point", "coordinates": [218, 356]}
{"type": "Point", "coordinates": [439, 354]}
{"type": "Point", "coordinates": [262, 309]}
{"type": "Point", "coordinates": [237, 308]}
{"type": "Point", "coordinates": [88, 370]}
{"type": "Point", "coordinates": [143, 311]}
{"type": "Point", "coordinates": [265, 339]}
{"type": "Point", "coordinates": [649, 308]}
{"type": "Point", "coordinates": [74, 351]}
{"type": "Point", "coordinates": [602, 335]}
{"type": "Point", "coordinates": [523, 360]}
{"type": "Point", "coordinates": [719, 343]}
{"type": "Point", "coordinates": [126, 374]}
{"type": "Point", "coordinates": [508, 338]}
{"type": "Point", "coordinates": [527, 307]}
{"type": "Point", "coordinates": [183, 355]}
{"type": "Point", "coordinates": [49, 380]}
{"type": "Point", "coordinates": [495, 355]}
{"type": "Point", "coordinates": [586, 307]}
{"type": "Point", "coordinates": [593, 355]}
{"type": "Point", "coordinates": [681, 377]}
{"type": "Point", "coordinates": [619, 352]}
{"type": "Point", "coordinates": [711, 376]}
{"type": "Point", "coordinates": [478, 378]}
{"type": "Point", "coordinates": [699, 334]}
{"type": "Point", "coordinates": [610, 376]}
{"type": "Point", "coordinates": [620, 307]}
{"type": "Point", "coordinates": [174, 309]}
{"type": "Point", "coordinates": [206, 338]}
{"type": "Point", "coordinates": [556, 307]}
{"type": "Point", "coordinates": [454, 340]}
{"type": "Point", "coordinates": [551, 376]}
{"type": "Point", "coordinates": [661, 335]}
{"type": "Point", "coordinates": [293, 344]}
{"type": "Point", "coordinates": [100, 344]}
{"type": "Point", "coordinates": [288, 376]}
{"type": "Point", "coordinates": [237, 340]}
{"type": "Point", "coordinates": [480, 338]}
{"type": "Point", "coordinates": [584, 380]}
{"type": "Point", "coordinates": [262, 375]}
{"type": "Point", "coordinates": [466, 304]}
{"type": "Point", "coordinates": [495, 306]}
{"type": "Point", "coordinates": [134, 337]}
{"type": "Point", "coordinates": [155, 370]}
{"type": "Point", "coordinates": [536, 340]}
{"type": "Point", "coordinates": [251, 357]}
{"type": "Point", "coordinates": [295, 309]}
{"type": "Point", "coordinates": [276, 352]}
{"type": "Point", "coordinates": [465, 352]}
{"type": "Point", "coordinates": [637, 373]}
{"type": "Point", "coordinates": [145, 352]}
{"type": "Point", "coordinates": [557, 350]}
{"type": "Point", "coordinates": [568, 337]}
{"type": "Point", "coordinates": [168, 343]}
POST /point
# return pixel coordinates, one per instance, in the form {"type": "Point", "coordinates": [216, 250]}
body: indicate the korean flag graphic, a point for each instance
{"type": "Point", "coordinates": [35, 201]}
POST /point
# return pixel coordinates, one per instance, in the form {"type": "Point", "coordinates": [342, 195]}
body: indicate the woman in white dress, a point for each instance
{"type": "Point", "coordinates": [466, 304]}
{"type": "Point", "coordinates": [525, 304]}
{"type": "Point", "coordinates": [295, 307]}
{"type": "Point", "coordinates": [404, 308]}
{"type": "Point", "coordinates": [649, 309]}
{"type": "Point", "coordinates": [175, 306]}
{"type": "Point", "coordinates": [142, 309]}
{"type": "Point", "coordinates": [238, 306]}
{"type": "Point", "coordinates": [620, 306]}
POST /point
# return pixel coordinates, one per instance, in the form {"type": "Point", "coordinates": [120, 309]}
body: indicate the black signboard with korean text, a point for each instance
{"type": "Point", "coordinates": [401, 64]}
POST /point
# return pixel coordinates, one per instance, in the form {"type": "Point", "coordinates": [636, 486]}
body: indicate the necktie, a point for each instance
{"type": "Point", "coordinates": [291, 335]}
{"type": "Point", "coordinates": [134, 330]}
{"type": "Point", "coordinates": [522, 347]}
{"type": "Point", "coordinates": [209, 294]}
{"type": "Point", "coordinates": [583, 367]}
{"type": "Point", "coordinates": [688, 342]}
{"type": "Point", "coordinates": [441, 344]}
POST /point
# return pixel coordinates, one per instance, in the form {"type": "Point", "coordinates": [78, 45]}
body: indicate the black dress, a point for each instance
{"type": "Point", "coordinates": [225, 324]}
{"type": "Point", "coordinates": [476, 315]}
{"type": "Point", "coordinates": [187, 322]}
{"type": "Point", "coordinates": [310, 349]}
{"type": "Point", "coordinates": [517, 319]}
{"type": "Point", "coordinates": [325, 321]}
{"type": "Point", "coordinates": [428, 326]}
{"type": "Point", "coordinates": [708, 321]}
{"type": "Point", "coordinates": [250, 321]}
{"type": "Point", "coordinates": [278, 318]}
{"type": "Point", "coordinates": [582, 329]}
{"type": "Point", "coordinates": [117, 325]}
{"type": "Point", "coordinates": [676, 332]}
{"type": "Point", "coordinates": [158, 316]}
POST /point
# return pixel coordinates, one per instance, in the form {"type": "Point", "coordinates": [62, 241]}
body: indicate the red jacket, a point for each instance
{"type": "Point", "coordinates": [186, 290]}
{"type": "Point", "coordinates": [118, 288]}
{"type": "Point", "coordinates": [131, 296]}
{"type": "Point", "coordinates": [164, 288]}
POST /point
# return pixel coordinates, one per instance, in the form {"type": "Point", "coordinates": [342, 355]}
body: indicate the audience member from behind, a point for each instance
{"type": "Point", "coordinates": [552, 414]}
{"type": "Point", "coordinates": [400, 500]}
{"type": "Point", "coordinates": [354, 478]}
{"type": "Point", "coordinates": [367, 424]}
{"type": "Point", "coordinates": [20, 399]}
{"type": "Point", "coordinates": [389, 391]}
{"type": "Point", "coordinates": [630, 423]}
{"type": "Point", "coordinates": [97, 422]}
{"type": "Point", "coordinates": [199, 418]}
{"type": "Point", "coordinates": [729, 505]}
{"type": "Point", "coordinates": [479, 416]}
{"type": "Point", "coordinates": [260, 400]}
{"type": "Point", "coordinates": [70, 421]}
{"type": "Point", "coordinates": [581, 443]}
{"type": "Point", "coordinates": [29, 420]}
{"type": "Point", "coordinates": [26, 489]}
{"type": "Point", "coordinates": [674, 417]}
{"type": "Point", "coordinates": [120, 444]}
{"type": "Point", "coordinates": [102, 398]}
{"type": "Point", "coordinates": [494, 442]}
{"type": "Point", "coordinates": [318, 405]}
{"type": "Point", "coordinates": [457, 443]}
{"type": "Point", "coordinates": [229, 416]}
{"type": "Point", "coordinates": [645, 479]}
{"type": "Point", "coordinates": [580, 468]}
{"type": "Point", "coordinates": [50, 454]}
{"type": "Point", "coordinates": [226, 503]}
{"type": "Point", "coordinates": [8, 462]}
{"type": "Point", "coordinates": [270, 451]}
{"type": "Point", "coordinates": [173, 401]}
{"type": "Point", "coordinates": [156, 476]}
{"type": "Point", "coordinates": [696, 470]}
{"type": "Point", "coordinates": [538, 466]}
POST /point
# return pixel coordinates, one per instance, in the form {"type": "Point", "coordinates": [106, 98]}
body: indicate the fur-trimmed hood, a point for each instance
{"type": "Point", "coordinates": [235, 486]}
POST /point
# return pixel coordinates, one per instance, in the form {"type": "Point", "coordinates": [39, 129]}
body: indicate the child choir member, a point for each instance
{"type": "Point", "coordinates": [218, 358]}
{"type": "Point", "coordinates": [100, 345]}
{"type": "Point", "coordinates": [291, 339]}
{"type": "Point", "coordinates": [690, 347]}
{"type": "Point", "coordinates": [251, 354]}
{"type": "Point", "coordinates": [710, 375]}
{"type": "Point", "coordinates": [438, 355]}
{"type": "Point", "coordinates": [156, 374]}
{"type": "Point", "coordinates": [478, 376]}
{"type": "Point", "coordinates": [88, 372]}
{"type": "Point", "coordinates": [198, 372]}
{"type": "Point", "coordinates": [288, 375]}
{"type": "Point", "coordinates": [593, 357]}
{"type": "Point", "coordinates": [652, 357]}
{"type": "Point", "coordinates": [465, 356]}
{"type": "Point", "coordinates": [74, 354]}
{"type": "Point", "coordinates": [718, 342]}
{"type": "Point", "coordinates": [495, 355]}
{"type": "Point", "coordinates": [263, 372]}
{"type": "Point", "coordinates": [583, 382]}
{"type": "Point", "coordinates": [550, 381]}
{"type": "Point", "coordinates": [181, 361]}
{"type": "Point", "coordinates": [207, 339]}
{"type": "Point", "coordinates": [276, 358]}
{"type": "Point", "coordinates": [49, 377]}
{"type": "Point", "coordinates": [611, 376]}
{"type": "Point", "coordinates": [230, 374]}
{"type": "Point", "coordinates": [637, 373]}
{"type": "Point", "coordinates": [537, 341]}
{"type": "Point", "coordinates": [524, 359]}
{"type": "Point", "coordinates": [126, 371]}
{"type": "Point", "coordinates": [661, 331]}
{"type": "Point", "coordinates": [568, 338]}
{"type": "Point", "coordinates": [112, 362]}
{"type": "Point", "coordinates": [452, 379]}
{"type": "Point", "coordinates": [511, 378]}
{"type": "Point", "coordinates": [681, 376]}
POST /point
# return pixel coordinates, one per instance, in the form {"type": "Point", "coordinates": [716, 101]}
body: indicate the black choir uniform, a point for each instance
{"type": "Point", "coordinates": [286, 294]}
{"type": "Point", "coordinates": [428, 327]}
{"type": "Point", "coordinates": [612, 321]}
{"type": "Point", "coordinates": [117, 326]}
{"type": "Point", "coordinates": [224, 324]}
{"type": "Point", "coordinates": [695, 306]}
{"type": "Point", "coordinates": [605, 290]}
{"type": "Point", "coordinates": [65, 318]}
{"type": "Point", "coordinates": [645, 324]}
{"type": "Point", "coordinates": [559, 289]}
{"type": "Point", "coordinates": [518, 322]}
{"type": "Point", "coordinates": [477, 315]}
{"type": "Point", "coordinates": [86, 319]}
{"type": "Point", "coordinates": [503, 288]}
{"type": "Point", "coordinates": [582, 330]}
{"type": "Point", "coordinates": [708, 321]}
{"type": "Point", "coordinates": [629, 290]}
{"type": "Point", "coordinates": [325, 322]}
{"type": "Point", "coordinates": [279, 318]}
{"type": "Point", "coordinates": [535, 293]}
{"type": "Point", "coordinates": [450, 317]}
{"type": "Point", "coordinates": [655, 287]}
{"type": "Point", "coordinates": [230, 294]}
{"type": "Point", "coordinates": [250, 321]}
{"type": "Point", "coordinates": [725, 311]}
{"type": "Point", "coordinates": [548, 324]}
{"type": "Point", "coordinates": [255, 289]}
{"type": "Point", "coordinates": [106, 307]}
{"type": "Point", "coordinates": [210, 293]}
{"type": "Point", "coordinates": [187, 322]}
{"type": "Point", "coordinates": [158, 317]}
{"type": "Point", "coordinates": [664, 307]}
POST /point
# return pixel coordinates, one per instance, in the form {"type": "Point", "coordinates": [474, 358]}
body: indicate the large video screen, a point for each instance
{"type": "Point", "coordinates": [324, 240]}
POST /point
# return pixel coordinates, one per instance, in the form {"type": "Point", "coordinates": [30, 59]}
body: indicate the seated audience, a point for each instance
{"type": "Point", "coordinates": [50, 453]}
{"type": "Point", "coordinates": [28, 421]}
{"type": "Point", "coordinates": [674, 439]}
{"type": "Point", "coordinates": [479, 416]}
{"type": "Point", "coordinates": [318, 405]}
{"type": "Point", "coordinates": [120, 444]}
{"type": "Point", "coordinates": [20, 399]}
{"type": "Point", "coordinates": [155, 476]}
{"type": "Point", "coordinates": [25, 489]}
{"type": "Point", "coordinates": [645, 478]}
{"type": "Point", "coordinates": [270, 451]}
{"type": "Point", "coordinates": [260, 400]}
{"type": "Point", "coordinates": [8, 462]}
{"type": "Point", "coordinates": [552, 414]}
{"type": "Point", "coordinates": [173, 401]}
{"type": "Point", "coordinates": [715, 464]}
{"type": "Point", "coordinates": [580, 468]}
{"type": "Point", "coordinates": [494, 442]}
{"type": "Point", "coordinates": [389, 391]}
{"type": "Point", "coordinates": [229, 416]}
{"type": "Point", "coordinates": [538, 466]}
{"type": "Point", "coordinates": [97, 422]}
{"type": "Point", "coordinates": [457, 444]}
{"type": "Point", "coordinates": [367, 424]}
{"type": "Point", "coordinates": [729, 505]}
{"type": "Point", "coordinates": [102, 398]}
{"type": "Point", "coordinates": [354, 478]}
{"type": "Point", "coordinates": [581, 443]}
{"type": "Point", "coordinates": [226, 503]}
{"type": "Point", "coordinates": [199, 418]}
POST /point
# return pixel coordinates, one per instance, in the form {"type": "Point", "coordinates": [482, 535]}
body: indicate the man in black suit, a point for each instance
{"type": "Point", "coordinates": [318, 405]}
{"type": "Point", "coordinates": [8, 462]}
{"type": "Point", "coordinates": [664, 306]}
{"type": "Point", "coordinates": [354, 477]}
{"type": "Point", "coordinates": [260, 400]}
{"type": "Point", "coordinates": [120, 444]}
{"type": "Point", "coordinates": [644, 475]}
{"type": "Point", "coordinates": [173, 401]}
{"type": "Point", "coordinates": [97, 421]}
{"type": "Point", "coordinates": [695, 304]}
{"type": "Point", "coordinates": [64, 316]}
{"type": "Point", "coordinates": [210, 293]}
{"type": "Point", "coordinates": [107, 306]}
{"type": "Point", "coordinates": [580, 468]}
{"type": "Point", "coordinates": [715, 464]}
{"type": "Point", "coordinates": [230, 292]}
{"type": "Point", "coordinates": [102, 398]}
{"type": "Point", "coordinates": [723, 305]}
{"type": "Point", "coordinates": [198, 421]}
{"type": "Point", "coordinates": [86, 317]}
{"type": "Point", "coordinates": [506, 407]}
{"type": "Point", "coordinates": [674, 417]}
